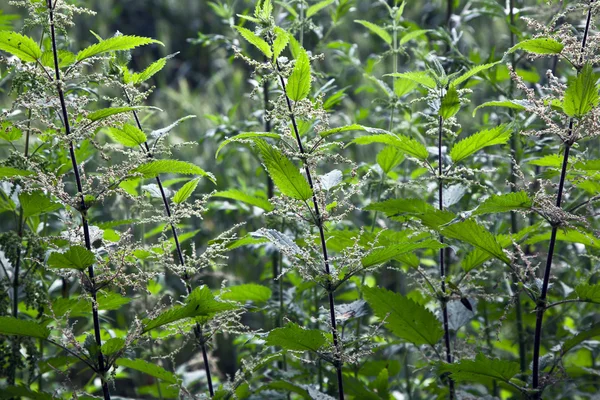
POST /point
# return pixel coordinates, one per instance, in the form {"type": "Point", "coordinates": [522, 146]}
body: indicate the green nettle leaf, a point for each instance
{"type": "Point", "coordinates": [296, 338]}
{"type": "Point", "coordinates": [11, 326]}
{"type": "Point", "coordinates": [248, 292]}
{"type": "Point", "coordinates": [482, 369]}
{"type": "Point", "coordinates": [407, 145]}
{"type": "Point", "coordinates": [403, 86]}
{"type": "Point", "coordinates": [379, 256]}
{"type": "Point", "coordinates": [164, 131]}
{"type": "Point", "coordinates": [116, 43]}
{"type": "Point", "coordinates": [200, 303]}
{"type": "Point", "coordinates": [298, 84]}
{"type": "Point", "coordinates": [21, 46]}
{"type": "Point", "coordinates": [315, 8]}
{"type": "Point", "coordinates": [353, 127]}
{"type": "Point", "coordinates": [186, 191]}
{"type": "Point", "coordinates": [582, 336]}
{"type": "Point", "coordinates": [405, 318]}
{"type": "Point", "coordinates": [569, 235]}
{"type": "Point", "coordinates": [512, 104]}
{"type": "Point", "coordinates": [9, 132]}
{"type": "Point", "coordinates": [504, 203]}
{"type": "Point", "coordinates": [248, 137]}
{"type": "Point", "coordinates": [412, 35]}
{"type": "Point", "coordinates": [476, 235]}
{"type": "Point", "coordinates": [128, 135]}
{"type": "Point", "coordinates": [8, 172]}
{"type": "Point", "coordinates": [588, 293]}
{"type": "Point", "coordinates": [111, 301]}
{"type": "Point", "coordinates": [157, 167]}
{"type": "Point", "coordinates": [149, 72]}
{"type": "Point", "coordinates": [65, 58]}
{"type": "Point", "coordinates": [538, 46]}
{"type": "Point", "coordinates": [77, 257]}
{"type": "Point", "coordinates": [108, 112]}
{"type": "Point", "coordinates": [450, 104]}
{"type": "Point", "coordinates": [112, 345]}
{"type": "Point", "coordinates": [148, 368]}
{"type": "Point", "coordinates": [284, 173]}
{"type": "Point", "coordinates": [282, 38]}
{"type": "Point", "coordinates": [472, 72]}
{"type": "Point", "coordinates": [239, 195]}
{"type": "Point", "coordinates": [552, 160]}
{"type": "Point", "coordinates": [389, 158]}
{"type": "Point", "coordinates": [474, 143]}
{"type": "Point", "coordinates": [379, 31]}
{"type": "Point", "coordinates": [414, 208]}
{"type": "Point", "coordinates": [581, 95]}
{"type": "Point", "coordinates": [23, 392]}
{"type": "Point", "coordinates": [422, 78]}
{"type": "Point", "coordinates": [255, 40]}
{"type": "Point", "coordinates": [36, 203]}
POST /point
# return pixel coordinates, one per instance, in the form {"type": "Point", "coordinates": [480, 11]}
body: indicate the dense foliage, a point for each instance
{"type": "Point", "coordinates": [299, 199]}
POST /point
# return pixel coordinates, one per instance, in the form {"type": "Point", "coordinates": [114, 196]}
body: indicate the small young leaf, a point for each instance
{"type": "Point", "coordinates": [9, 132]}
{"type": "Point", "coordinates": [77, 257]}
{"type": "Point", "coordinates": [470, 232]}
{"type": "Point", "coordinates": [283, 172]}
{"type": "Point", "coordinates": [512, 104]}
{"type": "Point", "coordinates": [450, 104]}
{"type": "Point", "coordinates": [157, 167]}
{"type": "Point", "coordinates": [239, 195]}
{"type": "Point", "coordinates": [9, 172]}
{"type": "Point", "coordinates": [538, 46]}
{"type": "Point", "coordinates": [150, 70]}
{"type": "Point", "coordinates": [474, 143]}
{"type": "Point", "coordinates": [21, 46]}
{"type": "Point", "coordinates": [504, 203]}
{"type": "Point", "coordinates": [582, 336]}
{"type": "Point", "coordinates": [389, 158]}
{"type": "Point", "coordinates": [256, 41]}
{"type": "Point", "coordinates": [421, 77]}
{"type": "Point", "coordinates": [107, 112]}
{"type": "Point", "coordinates": [412, 35]}
{"type": "Point", "coordinates": [379, 31]}
{"type": "Point", "coordinates": [186, 191]}
{"type": "Point", "coordinates": [246, 137]}
{"type": "Point", "coordinates": [472, 72]}
{"type": "Point", "coordinates": [296, 338]}
{"type": "Point", "coordinates": [112, 345]}
{"type": "Point", "coordinates": [128, 135]}
{"type": "Point", "coordinates": [298, 84]}
{"type": "Point", "coordinates": [148, 368]}
{"type": "Point", "coordinates": [116, 43]}
{"type": "Point", "coordinates": [248, 292]}
{"type": "Point", "coordinates": [282, 39]}
{"type": "Point", "coordinates": [581, 95]}
{"type": "Point", "coordinates": [36, 203]}
{"type": "Point", "coordinates": [353, 127]}
{"type": "Point", "coordinates": [11, 326]}
{"type": "Point", "coordinates": [408, 146]}
{"type": "Point", "coordinates": [405, 318]}
{"type": "Point", "coordinates": [482, 369]}
{"type": "Point", "coordinates": [315, 8]}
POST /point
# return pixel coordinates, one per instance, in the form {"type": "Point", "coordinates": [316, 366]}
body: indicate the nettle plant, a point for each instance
{"type": "Point", "coordinates": [64, 269]}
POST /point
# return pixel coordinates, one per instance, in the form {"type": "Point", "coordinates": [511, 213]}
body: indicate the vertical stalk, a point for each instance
{"type": "Point", "coordinates": [319, 222]}
{"type": "Point", "coordinates": [541, 302]}
{"type": "Point", "coordinates": [442, 252]}
{"type": "Point", "coordinates": [82, 205]}
{"type": "Point", "coordinates": [197, 328]}
{"type": "Point", "coordinates": [449, 11]}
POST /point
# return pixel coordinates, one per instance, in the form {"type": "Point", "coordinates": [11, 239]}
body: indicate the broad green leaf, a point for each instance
{"type": "Point", "coordinates": [186, 191]}
{"type": "Point", "coordinates": [504, 203]}
{"type": "Point", "coordinates": [246, 137]}
{"type": "Point", "coordinates": [581, 95]}
{"type": "Point", "coordinates": [128, 135]}
{"type": "Point", "coordinates": [588, 293]}
{"type": "Point", "coordinates": [512, 104]}
{"type": "Point", "coordinates": [470, 232]}
{"type": "Point", "coordinates": [538, 46]}
{"type": "Point", "coordinates": [582, 336]}
{"type": "Point", "coordinates": [389, 158]}
{"type": "Point", "coordinates": [21, 46]}
{"type": "Point", "coordinates": [23, 392]}
{"type": "Point", "coordinates": [472, 72]}
{"type": "Point", "coordinates": [474, 143]}
{"type": "Point", "coordinates": [407, 145]}
{"type": "Point", "coordinates": [148, 368]}
{"type": "Point", "coordinates": [112, 345]}
{"type": "Point", "coordinates": [421, 77]}
{"type": "Point", "coordinates": [200, 303]}
{"type": "Point", "coordinates": [450, 104]}
{"type": "Point", "coordinates": [405, 318]}
{"type": "Point", "coordinates": [482, 369]}
{"type": "Point", "coordinates": [412, 35]}
{"type": "Point", "coordinates": [256, 41]}
{"type": "Point", "coordinates": [36, 203]}
{"type": "Point", "coordinates": [552, 160]}
{"type": "Point", "coordinates": [9, 172]}
{"type": "Point", "coordinates": [111, 301]}
{"type": "Point", "coordinates": [315, 8]}
{"type": "Point", "coordinates": [150, 71]}
{"type": "Point", "coordinates": [568, 235]}
{"type": "Point", "coordinates": [379, 31]}
{"type": "Point", "coordinates": [77, 257]}
{"type": "Point", "coordinates": [108, 112]}
{"type": "Point", "coordinates": [298, 84]}
{"type": "Point", "coordinates": [9, 132]}
{"type": "Point", "coordinates": [116, 43]}
{"type": "Point", "coordinates": [157, 167]}
{"type": "Point", "coordinates": [353, 127]}
{"type": "Point", "coordinates": [65, 58]}
{"type": "Point", "coordinates": [379, 256]}
{"type": "Point", "coordinates": [239, 195]}
{"type": "Point", "coordinates": [284, 173]}
{"type": "Point", "coordinates": [296, 338]}
{"type": "Point", "coordinates": [248, 292]}
{"type": "Point", "coordinates": [403, 86]}
{"type": "Point", "coordinates": [282, 38]}
{"type": "Point", "coordinates": [413, 208]}
{"type": "Point", "coordinates": [11, 326]}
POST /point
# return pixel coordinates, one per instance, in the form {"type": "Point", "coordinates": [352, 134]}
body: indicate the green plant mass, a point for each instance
{"type": "Point", "coordinates": [299, 199]}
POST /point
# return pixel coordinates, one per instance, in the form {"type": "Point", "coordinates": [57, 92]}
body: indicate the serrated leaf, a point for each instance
{"type": "Point", "coordinates": [415, 208]}
{"type": "Point", "coordinates": [156, 134]}
{"type": "Point", "coordinates": [403, 86]}
{"type": "Point", "coordinates": [21, 46]}
{"type": "Point", "coordinates": [150, 71]}
{"type": "Point", "coordinates": [36, 203]}
{"type": "Point", "coordinates": [420, 77]}
{"type": "Point", "coordinates": [8, 172]}
{"type": "Point", "coordinates": [407, 145]}
{"type": "Point", "coordinates": [470, 232]}
{"type": "Point", "coordinates": [474, 143]}
{"type": "Point", "coordinates": [282, 38]}
{"type": "Point", "coordinates": [116, 43]}
{"type": "Point", "coordinates": [111, 301]}
{"type": "Point", "coordinates": [315, 8]}
{"type": "Point", "coordinates": [379, 31]}
{"type": "Point", "coordinates": [582, 336]}
{"type": "Point", "coordinates": [281, 240]}
{"type": "Point", "coordinates": [112, 345]}
{"type": "Point", "coordinates": [552, 160]}
{"type": "Point", "coordinates": [538, 46]}
{"type": "Point", "coordinates": [512, 104]}
{"type": "Point", "coordinates": [239, 195]}
{"type": "Point", "coordinates": [298, 84]}
{"type": "Point", "coordinates": [284, 173]}
{"type": "Point", "coordinates": [588, 293]}
{"type": "Point", "coordinates": [128, 135]}
{"type": "Point", "coordinates": [246, 137]}
{"type": "Point", "coordinates": [255, 40]}
{"type": "Point", "coordinates": [296, 338]}
{"type": "Point", "coordinates": [200, 303]}
{"type": "Point", "coordinates": [389, 158]}
{"type": "Point", "coordinates": [11, 326]}
{"type": "Point", "coordinates": [482, 369]}
{"type": "Point", "coordinates": [412, 35]}
{"type": "Point", "coordinates": [148, 368]}
{"type": "Point", "coordinates": [405, 318]}
{"type": "Point", "coordinates": [157, 167]}
{"type": "Point", "coordinates": [186, 191]}
{"type": "Point", "coordinates": [581, 95]}
{"type": "Point", "coordinates": [504, 203]}
{"type": "Point", "coordinates": [10, 132]}
{"type": "Point", "coordinates": [248, 292]}
{"type": "Point", "coordinates": [379, 256]}
{"type": "Point", "coordinates": [450, 104]}
{"type": "Point", "coordinates": [568, 235]}
{"type": "Point", "coordinates": [108, 112]}
{"type": "Point", "coordinates": [65, 58]}
{"type": "Point", "coordinates": [472, 72]}
{"type": "Point", "coordinates": [77, 257]}
{"type": "Point", "coordinates": [353, 127]}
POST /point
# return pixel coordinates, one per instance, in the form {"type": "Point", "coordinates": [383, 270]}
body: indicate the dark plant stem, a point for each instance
{"type": "Point", "coordinates": [319, 223]}
{"type": "Point", "coordinates": [541, 302]}
{"type": "Point", "coordinates": [442, 252]}
{"type": "Point", "coordinates": [82, 206]}
{"type": "Point", "coordinates": [449, 11]}
{"type": "Point", "coordinates": [197, 328]}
